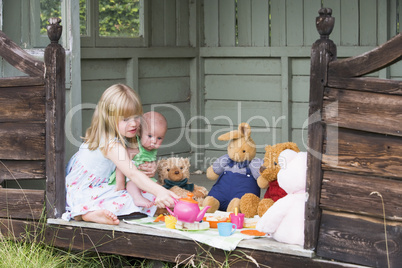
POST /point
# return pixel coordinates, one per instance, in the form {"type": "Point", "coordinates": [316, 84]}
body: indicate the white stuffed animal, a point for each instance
{"type": "Point", "coordinates": [285, 219]}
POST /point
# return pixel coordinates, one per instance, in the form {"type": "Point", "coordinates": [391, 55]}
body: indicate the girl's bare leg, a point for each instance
{"type": "Point", "coordinates": [135, 193]}
{"type": "Point", "coordinates": [103, 216]}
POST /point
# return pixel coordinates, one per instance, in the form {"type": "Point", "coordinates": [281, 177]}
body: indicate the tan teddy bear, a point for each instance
{"type": "Point", "coordinates": [174, 173]}
{"type": "Point", "coordinates": [251, 204]}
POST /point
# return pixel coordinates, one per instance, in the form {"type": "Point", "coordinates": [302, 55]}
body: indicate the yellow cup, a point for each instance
{"type": "Point", "coordinates": [170, 222]}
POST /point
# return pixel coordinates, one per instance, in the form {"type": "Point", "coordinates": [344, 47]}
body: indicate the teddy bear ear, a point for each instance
{"type": "Point", "coordinates": [187, 162]}
{"type": "Point", "coordinates": [289, 145]}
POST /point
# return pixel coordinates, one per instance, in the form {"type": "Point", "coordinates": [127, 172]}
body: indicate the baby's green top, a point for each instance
{"type": "Point", "coordinates": [140, 158]}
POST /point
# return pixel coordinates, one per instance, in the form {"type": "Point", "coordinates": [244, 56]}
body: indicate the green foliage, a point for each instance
{"type": "Point", "coordinates": [117, 18]}
{"type": "Point", "coordinates": [49, 9]}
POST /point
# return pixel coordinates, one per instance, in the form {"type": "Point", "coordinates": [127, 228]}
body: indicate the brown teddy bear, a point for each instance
{"type": "Point", "coordinates": [236, 172]}
{"type": "Point", "coordinates": [251, 204]}
{"type": "Point", "coordinates": [174, 173]}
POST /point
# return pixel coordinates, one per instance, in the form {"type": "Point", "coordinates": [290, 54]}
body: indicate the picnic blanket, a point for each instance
{"type": "Point", "coordinates": [209, 237]}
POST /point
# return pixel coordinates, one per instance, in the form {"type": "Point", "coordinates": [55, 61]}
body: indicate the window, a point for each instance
{"type": "Point", "coordinates": [112, 23]}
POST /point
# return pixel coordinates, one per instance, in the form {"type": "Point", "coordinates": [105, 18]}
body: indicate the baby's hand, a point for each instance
{"type": "Point", "coordinates": [148, 168]}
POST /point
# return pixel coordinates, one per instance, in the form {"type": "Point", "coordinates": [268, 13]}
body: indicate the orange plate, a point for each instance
{"type": "Point", "coordinates": [160, 218]}
{"type": "Point", "coordinates": [252, 232]}
{"type": "Point", "coordinates": [214, 224]}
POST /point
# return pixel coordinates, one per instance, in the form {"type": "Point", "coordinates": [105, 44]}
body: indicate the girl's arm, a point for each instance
{"type": "Point", "coordinates": [119, 156]}
{"type": "Point", "coordinates": [120, 180]}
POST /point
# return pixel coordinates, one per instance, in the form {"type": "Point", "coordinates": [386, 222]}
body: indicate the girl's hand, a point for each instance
{"type": "Point", "coordinates": [166, 199]}
{"type": "Point", "coordinates": [148, 168]}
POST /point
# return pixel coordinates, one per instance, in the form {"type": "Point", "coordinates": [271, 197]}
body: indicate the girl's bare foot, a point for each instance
{"type": "Point", "coordinates": [141, 201]}
{"type": "Point", "coordinates": [103, 216]}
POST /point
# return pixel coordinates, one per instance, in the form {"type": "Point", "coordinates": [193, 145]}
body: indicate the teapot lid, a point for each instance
{"type": "Point", "coordinates": [189, 198]}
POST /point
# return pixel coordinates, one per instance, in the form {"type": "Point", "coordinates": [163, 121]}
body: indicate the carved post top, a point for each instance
{"type": "Point", "coordinates": [325, 22]}
{"type": "Point", "coordinates": [54, 30]}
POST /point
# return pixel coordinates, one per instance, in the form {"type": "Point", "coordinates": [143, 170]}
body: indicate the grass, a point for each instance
{"type": "Point", "coordinates": [32, 252]}
{"type": "Point", "coordinates": [36, 254]}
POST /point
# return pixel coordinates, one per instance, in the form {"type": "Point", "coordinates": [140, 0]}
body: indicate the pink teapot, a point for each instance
{"type": "Point", "coordinates": [187, 209]}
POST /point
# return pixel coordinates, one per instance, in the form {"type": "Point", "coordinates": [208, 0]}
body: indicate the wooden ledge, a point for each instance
{"type": "Point", "coordinates": [263, 244]}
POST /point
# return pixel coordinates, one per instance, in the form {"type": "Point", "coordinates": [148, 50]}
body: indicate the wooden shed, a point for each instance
{"type": "Point", "coordinates": [353, 109]}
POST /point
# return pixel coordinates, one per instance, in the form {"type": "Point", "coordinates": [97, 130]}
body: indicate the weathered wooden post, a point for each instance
{"type": "Point", "coordinates": [55, 60]}
{"type": "Point", "coordinates": [323, 51]}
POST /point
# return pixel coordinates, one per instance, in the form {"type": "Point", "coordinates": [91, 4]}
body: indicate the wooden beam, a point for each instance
{"type": "Point", "coordinates": [322, 52]}
{"type": "Point", "coordinates": [21, 81]}
{"type": "Point", "coordinates": [20, 169]}
{"type": "Point", "coordinates": [369, 62]}
{"type": "Point", "coordinates": [366, 111]}
{"type": "Point", "coordinates": [361, 152]}
{"type": "Point", "coordinates": [22, 141]}
{"type": "Point", "coordinates": [358, 239]}
{"type": "Point", "coordinates": [23, 103]}
{"type": "Point", "coordinates": [21, 203]}
{"type": "Point", "coordinates": [170, 249]}
{"type": "Point", "coordinates": [19, 58]}
{"type": "Point", "coordinates": [55, 61]}
{"type": "Point", "coordinates": [340, 190]}
{"type": "Point", "coordinates": [384, 86]}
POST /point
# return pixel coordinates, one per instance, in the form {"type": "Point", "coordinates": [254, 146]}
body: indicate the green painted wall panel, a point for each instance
{"type": "Point", "coordinates": [183, 28]}
{"type": "Point", "coordinates": [278, 23]}
{"type": "Point", "coordinates": [349, 25]}
{"type": "Point", "coordinates": [234, 112]}
{"type": "Point", "coordinates": [244, 87]}
{"type": "Point", "coordinates": [299, 136]}
{"type": "Point", "coordinates": [368, 23]}
{"type": "Point", "coordinates": [259, 23]}
{"type": "Point", "coordinates": [257, 66]}
{"type": "Point", "coordinates": [300, 88]}
{"type": "Point", "coordinates": [299, 114]}
{"type": "Point", "coordinates": [157, 23]}
{"type": "Point", "coordinates": [300, 66]}
{"type": "Point", "coordinates": [162, 67]}
{"type": "Point", "coordinates": [211, 33]}
{"type": "Point", "coordinates": [164, 90]}
{"type": "Point", "coordinates": [92, 90]}
{"type": "Point", "coordinates": [227, 23]}
{"type": "Point", "coordinates": [169, 22]}
{"type": "Point", "coordinates": [177, 114]}
{"type": "Point", "coordinates": [103, 69]}
{"type": "Point", "coordinates": [244, 25]}
{"type": "Point", "coordinates": [174, 142]}
{"type": "Point", "coordinates": [294, 23]}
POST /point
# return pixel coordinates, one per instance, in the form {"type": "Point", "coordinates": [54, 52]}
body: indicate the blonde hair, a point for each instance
{"type": "Point", "coordinates": [116, 103]}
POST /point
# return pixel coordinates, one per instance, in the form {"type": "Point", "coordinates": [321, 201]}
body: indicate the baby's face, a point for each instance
{"type": "Point", "coordinates": [152, 136]}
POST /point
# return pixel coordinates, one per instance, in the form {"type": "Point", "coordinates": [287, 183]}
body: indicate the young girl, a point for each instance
{"type": "Point", "coordinates": [89, 196]}
{"type": "Point", "coordinates": [153, 130]}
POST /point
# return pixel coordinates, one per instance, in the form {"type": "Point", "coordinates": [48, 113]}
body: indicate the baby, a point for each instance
{"type": "Point", "coordinates": [153, 130]}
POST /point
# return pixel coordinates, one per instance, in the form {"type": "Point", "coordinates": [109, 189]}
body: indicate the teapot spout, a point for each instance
{"type": "Point", "coordinates": [202, 213]}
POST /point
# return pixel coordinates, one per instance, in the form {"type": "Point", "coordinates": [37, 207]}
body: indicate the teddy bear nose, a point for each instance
{"type": "Point", "coordinates": [262, 168]}
{"type": "Point", "coordinates": [176, 172]}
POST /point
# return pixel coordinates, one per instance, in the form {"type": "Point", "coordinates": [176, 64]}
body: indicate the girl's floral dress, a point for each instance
{"type": "Point", "coordinates": [87, 188]}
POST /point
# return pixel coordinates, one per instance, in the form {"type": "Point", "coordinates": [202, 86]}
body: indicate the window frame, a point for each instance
{"type": "Point", "coordinates": [92, 39]}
